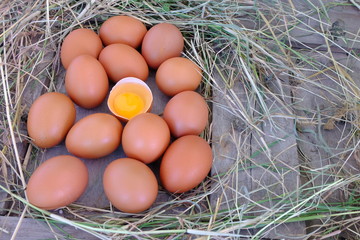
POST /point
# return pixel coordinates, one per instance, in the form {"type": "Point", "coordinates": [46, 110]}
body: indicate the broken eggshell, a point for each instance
{"type": "Point", "coordinates": [130, 85]}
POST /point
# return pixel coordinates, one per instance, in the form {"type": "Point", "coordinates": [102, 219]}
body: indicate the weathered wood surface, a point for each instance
{"type": "Point", "coordinates": [325, 122]}
{"type": "Point", "coordinates": [232, 143]}
{"type": "Point", "coordinates": [94, 195]}
{"type": "Point", "coordinates": [326, 141]}
{"type": "Point", "coordinates": [276, 176]}
{"type": "Point", "coordinates": [314, 19]}
{"type": "Point", "coordinates": [252, 154]}
{"type": "Point", "coordinates": [32, 229]}
{"type": "Point", "coordinates": [231, 147]}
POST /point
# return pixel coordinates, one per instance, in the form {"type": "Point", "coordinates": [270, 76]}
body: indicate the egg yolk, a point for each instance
{"type": "Point", "coordinates": [128, 104]}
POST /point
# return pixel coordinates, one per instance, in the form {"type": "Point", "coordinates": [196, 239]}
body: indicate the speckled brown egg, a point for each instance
{"type": "Point", "coordinates": [94, 136]}
{"type": "Point", "coordinates": [120, 61]}
{"type": "Point", "coordinates": [161, 42]}
{"type": "Point", "coordinates": [122, 29]}
{"type": "Point", "coordinates": [130, 185]}
{"type": "Point", "coordinates": [185, 164]}
{"type": "Point", "coordinates": [50, 118]}
{"type": "Point", "coordinates": [57, 182]}
{"type": "Point", "coordinates": [86, 81]}
{"type": "Point", "coordinates": [186, 114]}
{"type": "Point", "coordinates": [145, 137]}
{"type": "Point", "coordinates": [79, 42]}
{"type": "Point", "coordinates": [178, 74]}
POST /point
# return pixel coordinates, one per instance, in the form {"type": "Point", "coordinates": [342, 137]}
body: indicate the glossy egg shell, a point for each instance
{"type": "Point", "coordinates": [130, 185]}
{"type": "Point", "coordinates": [186, 114]}
{"type": "Point", "coordinates": [161, 42]}
{"type": "Point", "coordinates": [145, 137]}
{"type": "Point", "coordinates": [185, 164]}
{"type": "Point", "coordinates": [79, 42]}
{"type": "Point", "coordinates": [122, 29]}
{"type": "Point", "coordinates": [94, 136]}
{"type": "Point", "coordinates": [120, 61]}
{"type": "Point", "coordinates": [57, 182]}
{"type": "Point", "coordinates": [178, 74]}
{"type": "Point", "coordinates": [50, 118]}
{"type": "Point", "coordinates": [86, 81]}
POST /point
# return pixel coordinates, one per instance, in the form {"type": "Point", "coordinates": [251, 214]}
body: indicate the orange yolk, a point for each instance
{"type": "Point", "coordinates": [128, 104]}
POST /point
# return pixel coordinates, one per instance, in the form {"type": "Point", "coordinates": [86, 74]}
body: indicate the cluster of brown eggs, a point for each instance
{"type": "Point", "coordinates": [129, 183]}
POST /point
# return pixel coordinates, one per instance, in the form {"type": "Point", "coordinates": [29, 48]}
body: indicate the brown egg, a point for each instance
{"type": "Point", "coordinates": [186, 114]}
{"type": "Point", "coordinates": [94, 136]}
{"type": "Point", "coordinates": [161, 42]}
{"type": "Point", "coordinates": [178, 74]}
{"type": "Point", "coordinates": [130, 185]}
{"type": "Point", "coordinates": [57, 182]}
{"type": "Point", "coordinates": [122, 29]}
{"type": "Point", "coordinates": [50, 118]}
{"type": "Point", "coordinates": [145, 137]}
{"type": "Point", "coordinates": [79, 42]}
{"type": "Point", "coordinates": [120, 61]}
{"type": "Point", "coordinates": [185, 164]}
{"type": "Point", "coordinates": [86, 81]}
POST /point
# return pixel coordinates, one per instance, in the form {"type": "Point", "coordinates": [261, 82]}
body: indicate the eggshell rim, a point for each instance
{"type": "Point", "coordinates": [129, 80]}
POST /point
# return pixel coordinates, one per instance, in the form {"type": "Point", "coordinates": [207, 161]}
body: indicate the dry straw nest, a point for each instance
{"type": "Point", "coordinates": [246, 43]}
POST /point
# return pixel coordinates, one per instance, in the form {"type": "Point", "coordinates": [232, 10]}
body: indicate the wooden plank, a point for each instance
{"type": "Point", "coordinates": [311, 20]}
{"type": "Point", "coordinates": [323, 129]}
{"type": "Point", "coordinates": [94, 195]}
{"type": "Point", "coordinates": [31, 229]}
{"type": "Point", "coordinates": [325, 133]}
{"type": "Point", "coordinates": [303, 24]}
{"type": "Point", "coordinates": [231, 145]}
{"type": "Point", "coordinates": [276, 174]}
{"type": "Point", "coordinates": [237, 153]}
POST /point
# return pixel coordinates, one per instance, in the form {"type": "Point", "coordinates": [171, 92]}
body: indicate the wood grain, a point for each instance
{"type": "Point", "coordinates": [248, 156]}
{"type": "Point", "coordinates": [318, 18]}
{"type": "Point", "coordinates": [231, 147]}
{"type": "Point", "coordinates": [324, 125]}
{"type": "Point", "coordinates": [325, 136]}
{"type": "Point", "coordinates": [276, 175]}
